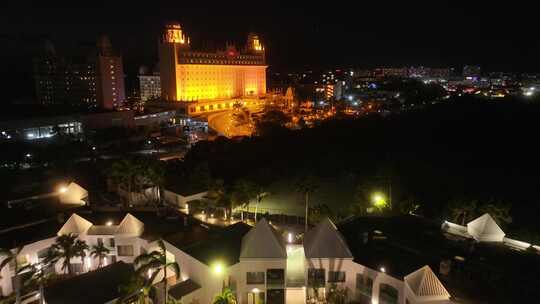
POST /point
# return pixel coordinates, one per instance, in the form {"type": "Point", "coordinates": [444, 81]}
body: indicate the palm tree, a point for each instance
{"type": "Point", "coordinates": [100, 252]}
{"type": "Point", "coordinates": [137, 288]}
{"type": "Point", "coordinates": [260, 194]}
{"type": "Point", "coordinates": [462, 210]}
{"type": "Point", "coordinates": [242, 194]}
{"type": "Point", "coordinates": [67, 247]}
{"type": "Point", "coordinates": [11, 257]}
{"type": "Point", "coordinates": [37, 276]}
{"type": "Point", "coordinates": [499, 211]}
{"type": "Point", "coordinates": [124, 173]}
{"type": "Point", "coordinates": [225, 297]}
{"type": "Point", "coordinates": [151, 172]}
{"type": "Point", "coordinates": [306, 186]}
{"type": "Point", "coordinates": [154, 262]}
{"type": "Point", "coordinates": [218, 193]}
{"type": "Point", "coordinates": [337, 295]}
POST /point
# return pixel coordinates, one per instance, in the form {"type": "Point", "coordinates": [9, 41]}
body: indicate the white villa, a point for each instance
{"type": "Point", "coordinates": [258, 264]}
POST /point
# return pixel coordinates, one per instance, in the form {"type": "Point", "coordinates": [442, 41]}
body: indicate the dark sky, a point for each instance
{"type": "Point", "coordinates": [333, 33]}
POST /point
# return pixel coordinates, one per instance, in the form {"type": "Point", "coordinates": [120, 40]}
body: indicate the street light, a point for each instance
{"type": "Point", "coordinates": [379, 201]}
{"type": "Point", "coordinates": [62, 189]}
{"type": "Point", "coordinates": [217, 268]}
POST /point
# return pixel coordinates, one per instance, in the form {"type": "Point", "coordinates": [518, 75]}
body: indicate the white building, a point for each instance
{"type": "Point", "coordinates": [150, 86]}
{"type": "Point", "coordinates": [256, 263]}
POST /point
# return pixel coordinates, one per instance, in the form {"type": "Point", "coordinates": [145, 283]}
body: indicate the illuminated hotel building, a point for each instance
{"type": "Point", "coordinates": [206, 80]}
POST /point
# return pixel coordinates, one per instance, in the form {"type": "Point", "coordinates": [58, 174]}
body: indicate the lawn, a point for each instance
{"type": "Point", "coordinates": [284, 199]}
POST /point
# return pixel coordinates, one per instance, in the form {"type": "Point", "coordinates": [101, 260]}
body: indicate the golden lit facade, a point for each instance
{"type": "Point", "coordinates": [191, 76]}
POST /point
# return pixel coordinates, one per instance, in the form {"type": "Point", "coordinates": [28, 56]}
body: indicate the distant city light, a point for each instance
{"type": "Point", "coordinates": [383, 269]}
{"type": "Point", "coordinates": [109, 223]}
{"type": "Point", "coordinates": [28, 155]}
{"type": "Point", "coordinates": [350, 98]}
{"type": "Point", "coordinates": [528, 93]}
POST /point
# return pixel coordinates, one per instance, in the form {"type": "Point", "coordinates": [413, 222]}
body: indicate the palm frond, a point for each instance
{"type": "Point", "coordinates": [175, 268]}
{"type": "Point", "coordinates": [6, 261]}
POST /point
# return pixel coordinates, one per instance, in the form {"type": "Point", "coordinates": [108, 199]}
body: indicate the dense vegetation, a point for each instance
{"type": "Point", "coordinates": [464, 150]}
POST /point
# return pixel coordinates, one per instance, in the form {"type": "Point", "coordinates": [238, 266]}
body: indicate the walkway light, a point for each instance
{"type": "Point", "coordinates": [62, 189]}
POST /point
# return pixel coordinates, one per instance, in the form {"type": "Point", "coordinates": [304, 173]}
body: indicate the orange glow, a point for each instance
{"type": "Point", "coordinates": [255, 43]}
{"type": "Point", "coordinates": [174, 34]}
{"type": "Point", "coordinates": [206, 82]}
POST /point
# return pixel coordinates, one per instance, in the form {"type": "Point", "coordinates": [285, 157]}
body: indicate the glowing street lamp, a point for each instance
{"type": "Point", "coordinates": [379, 200]}
{"type": "Point", "coordinates": [62, 189]}
{"type": "Point", "coordinates": [217, 268]}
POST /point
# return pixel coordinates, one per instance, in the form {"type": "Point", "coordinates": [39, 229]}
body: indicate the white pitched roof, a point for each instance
{"type": "Point", "coordinates": [485, 229]}
{"type": "Point", "coordinates": [425, 285]}
{"type": "Point", "coordinates": [262, 241]}
{"type": "Point", "coordinates": [325, 241]}
{"type": "Point", "coordinates": [74, 195]}
{"type": "Point", "coordinates": [75, 224]}
{"type": "Point", "coordinates": [130, 225]}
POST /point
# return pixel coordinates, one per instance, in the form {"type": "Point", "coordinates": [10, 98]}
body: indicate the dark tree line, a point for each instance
{"type": "Point", "coordinates": [465, 150]}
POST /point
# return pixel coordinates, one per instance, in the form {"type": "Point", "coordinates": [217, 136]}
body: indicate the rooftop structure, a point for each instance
{"type": "Point", "coordinates": [99, 286]}
{"type": "Point", "coordinates": [382, 260]}
{"type": "Point", "coordinates": [484, 229]}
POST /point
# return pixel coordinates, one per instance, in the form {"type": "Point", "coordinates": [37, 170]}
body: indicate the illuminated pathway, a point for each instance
{"type": "Point", "coordinates": [224, 123]}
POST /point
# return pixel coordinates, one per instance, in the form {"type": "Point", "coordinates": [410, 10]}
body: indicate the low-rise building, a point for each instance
{"type": "Point", "coordinates": [257, 263]}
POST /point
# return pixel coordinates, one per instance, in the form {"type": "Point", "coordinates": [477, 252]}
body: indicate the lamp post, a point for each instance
{"type": "Point", "coordinates": [379, 201]}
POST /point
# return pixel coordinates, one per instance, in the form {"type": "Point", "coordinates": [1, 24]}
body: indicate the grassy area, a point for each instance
{"type": "Point", "coordinates": [337, 193]}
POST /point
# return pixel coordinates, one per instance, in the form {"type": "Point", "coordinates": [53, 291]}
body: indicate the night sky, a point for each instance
{"type": "Point", "coordinates": [367, 34]}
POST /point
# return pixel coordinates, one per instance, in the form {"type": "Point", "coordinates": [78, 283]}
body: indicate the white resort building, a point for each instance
{"type": "Point", "coordinates": [257, 263]}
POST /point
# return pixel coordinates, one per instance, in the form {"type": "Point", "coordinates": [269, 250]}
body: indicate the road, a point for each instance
{"type": "Point", "coordinates": [224, 123]}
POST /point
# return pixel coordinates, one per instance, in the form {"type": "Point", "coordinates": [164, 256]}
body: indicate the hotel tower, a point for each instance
{"type": "Point", "coordinates": [207, 81]}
